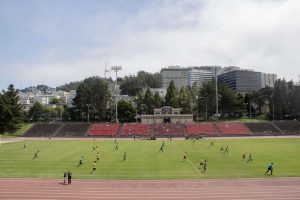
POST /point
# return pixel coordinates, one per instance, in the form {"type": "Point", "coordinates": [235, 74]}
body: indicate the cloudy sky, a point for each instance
{"type": "Point", "coordinates": [57, 41]}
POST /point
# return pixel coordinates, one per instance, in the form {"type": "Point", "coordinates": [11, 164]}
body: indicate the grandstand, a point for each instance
{"type": "Point", "coordinates": [264, 128]}
{"type": "Point", "coordinates": [169, 130]}
{"type": "Point", "coordinates": [141, 130]}
{"type": "Point", "coordinates": [232, 129]}
{"type": "Point", "coordinates": [39, 130]}
{"type": "Point", "coordinates": [72, 130]}
{"type": "Point", "coordinates": [201, 129]}
{"type": "Point", "coordinates": [104, 129]}
{"type": "Point", "coordinates": [289, 128]}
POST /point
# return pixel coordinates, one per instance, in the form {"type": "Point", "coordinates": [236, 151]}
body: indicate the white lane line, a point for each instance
{"type": "Point", "coordinates": [223, 188]}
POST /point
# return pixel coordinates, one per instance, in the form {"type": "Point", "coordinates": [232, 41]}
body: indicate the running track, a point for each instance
{"type": "Point", "coordinates": [242, 189]}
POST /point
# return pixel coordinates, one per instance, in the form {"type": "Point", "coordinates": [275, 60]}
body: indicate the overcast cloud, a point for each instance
{"type": "Point", "coordinates": [54, 42]}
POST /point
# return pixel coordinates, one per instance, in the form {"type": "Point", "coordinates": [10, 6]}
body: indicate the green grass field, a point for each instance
{"type": "Point", "coordinates": [145, 162]}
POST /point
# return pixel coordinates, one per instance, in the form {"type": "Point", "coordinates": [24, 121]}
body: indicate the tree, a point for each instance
{"type": "Point", "coordinates": [171, 96]}
{"type": "Point", "coordinates": [208, 91]}
{"type": "Point", "coordinates": [184, 100]}
{"type": "Point", "coordinates": [148, 101]}
{"type": "Point", "coordinates": [157, 101]}
{"type": "Point", "coordinates": [36, 112]}
{"type": "Point", "coordinates": [14, 109]}
{"type": "Point", "coordinates": [92, 97]}
{"type": "Point", "coordinates": [229, 104]}
{"type": "Point", "coordinates": [126, 111]}
{"type": "Point", "coordinates": [280, 98]}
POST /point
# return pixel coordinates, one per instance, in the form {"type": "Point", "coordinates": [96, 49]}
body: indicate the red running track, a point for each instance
{"type": "Point", "coordinates": [242, 189]}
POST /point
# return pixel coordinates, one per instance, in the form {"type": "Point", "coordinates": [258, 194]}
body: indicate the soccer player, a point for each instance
{"type": "Point", "coordinates": [161, 149]}
{"type": "Point", "coordinates": [202, 162]}
{"type": "Point", "coordinates": [249, 158]}
{"type": "Point", "coordinates": [36, 154]}
{"type": "Point", "coordinates": [98, 156]}
{"type": "Point", "coordinates": [244, 156]}
{"type": "Point", "coordinates": [115, 142]}
{"type": "Point", "coordinates": [270, 168]}
{"type": "Point", "coordinates": [163, 144]}
{"type": "Point", "coordinates": [226, 150]}
{"type": "Point", "coordinates": [222, 148]}
{"type": "Point", "coordinates": [24, 146]}
{"type": "Point", "coordinates": [124, 156]}
{"type": "Point", "coordinates": [94, 167]}
{"type": "Point", "coordinates": [80, 161]}
{"type": "Point", "coordinates": [212, 143]}
{"type": "Point", "coordinates": [117, 146]}
{"type": "Point", "coordinates": [204, 166]}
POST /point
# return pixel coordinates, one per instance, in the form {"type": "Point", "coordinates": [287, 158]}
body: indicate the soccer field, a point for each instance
{"type": "Point", "coordinates": [145, 162]}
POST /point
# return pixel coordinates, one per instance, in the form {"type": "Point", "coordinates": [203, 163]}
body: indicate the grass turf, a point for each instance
{"type": "Point", "coordinates": [145, 162]}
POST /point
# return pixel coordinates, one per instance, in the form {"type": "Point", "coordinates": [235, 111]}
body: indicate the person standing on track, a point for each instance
{"type": "Point", "coordinates": [69, 177]}
{"type": "Point", "coordinates": [65, 177]}
{"type": "Point", "coordinates": [270, 168]}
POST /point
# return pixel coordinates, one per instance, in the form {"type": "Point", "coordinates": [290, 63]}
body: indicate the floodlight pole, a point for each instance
{"type": "Point", "coordinates": [116, 69]}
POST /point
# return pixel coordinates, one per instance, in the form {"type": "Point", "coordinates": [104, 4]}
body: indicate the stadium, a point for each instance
{"type": "Point", "coordinates": [149, 99]}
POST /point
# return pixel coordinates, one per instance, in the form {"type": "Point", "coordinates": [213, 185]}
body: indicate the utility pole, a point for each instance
{"type": "Point", "coordinates": [217, 98]}
{"type": "Point", "coordinates": [116, 69]}
{"type": "Point", "coordinates": [88, 105]}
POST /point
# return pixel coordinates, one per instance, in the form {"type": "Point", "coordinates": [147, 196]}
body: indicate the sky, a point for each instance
{"type": "Point", "coordinates": [53, 42]}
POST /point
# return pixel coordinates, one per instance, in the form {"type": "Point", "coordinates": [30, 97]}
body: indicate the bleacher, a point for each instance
{"type": "Point", "coordinates": [104, 129]}
{"type": "Point", "coordinates": [289, 127]}
{"type": "Point", "coordinates": [143, 130]}
{"type": "Point", "coordinates": [201, 129]}
{"type": "Point", "coordinates": [263, 128]}
{"type": "Point", "coordinates": [42, 130]}
{"type": "Point", "coordinates": [73, 130]}
{"type": "Point", "coordinates": [173, 130]}
{"type": "Point", "coordinates": [233, 129]}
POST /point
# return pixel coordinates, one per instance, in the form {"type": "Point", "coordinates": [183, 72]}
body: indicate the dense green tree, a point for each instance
{"type": "Point", "coordinates": [14, 115]}
{"type": "Point", "coordinates": [171, 96]}
{"type": "Point", "coordinates": [207, 92]}
{"type": "Point", "coordinates": [157, 101]}
{"type": "Point", "coordinates": [69, 86]}
{"type": "Point", "coordinates": [228, 101]}
{"type": "Point", "coordinates": [36, 112]}
{"type": "Point", "coordinates": [126, 111]}
{"type": "Point", "coordinates": [184, 100]}
{"type": "Point", "coordinates": [131, 85]}
{"type": "Point", "coordinates": [92, 97]}
{"type": "Point", "coordinates": [280, 98]}
{"type": "Point", "coordinates": [149, 102]}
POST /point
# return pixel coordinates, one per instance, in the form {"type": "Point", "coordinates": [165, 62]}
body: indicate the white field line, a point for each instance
{"type": "Point", "coordinates": [196, 169]}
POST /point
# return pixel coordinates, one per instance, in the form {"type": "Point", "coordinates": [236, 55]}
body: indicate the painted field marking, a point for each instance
{"type": "Point", "coordinates": [196, 169]}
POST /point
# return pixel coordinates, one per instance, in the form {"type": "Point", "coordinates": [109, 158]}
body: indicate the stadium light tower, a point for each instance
{"type": "Point", "coordinates": [116, 69]}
